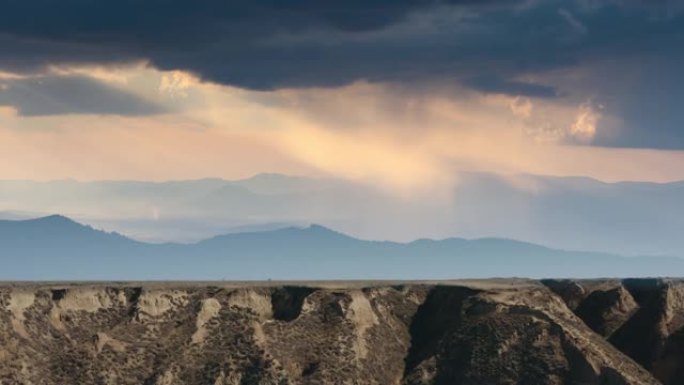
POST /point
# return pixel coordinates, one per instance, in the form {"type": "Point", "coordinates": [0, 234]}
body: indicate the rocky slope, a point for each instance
{"type": "Point", "coordinates": [643, 318]}
{"type": "Point", "coordinates": [462, 332]}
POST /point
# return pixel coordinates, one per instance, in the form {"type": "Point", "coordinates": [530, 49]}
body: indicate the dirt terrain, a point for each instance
{"type": "Point", "coordinates": [551, 332]}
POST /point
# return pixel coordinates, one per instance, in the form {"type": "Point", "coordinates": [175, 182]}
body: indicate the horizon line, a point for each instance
{"type": "Point", "coordinates": [333, 178]}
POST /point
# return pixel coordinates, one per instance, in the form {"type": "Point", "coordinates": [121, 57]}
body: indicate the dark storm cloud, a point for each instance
{"type": "Point", "coordinates": [58, 95]}
{"type": "Point", "coordinates": [649, 107]}
{"type": "Point", "coordinates": [239, 42]}
{"type": "Point", "coordinates": [270, 44]}
{"type": "Point", "coordinates": [266, 44]}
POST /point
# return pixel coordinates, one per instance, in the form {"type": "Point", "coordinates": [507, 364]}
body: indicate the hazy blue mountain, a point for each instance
{"type": "Point", "coordinates": [57, 248]}
{"type": "Point", "coordinates": [580, 213]}
{"type": "Point", "coordinates": [627, 218]}
{"type": "Point", "coordinates": [282, 184]}
{"type": "Point", "coordinates": [62, 236]}
{"type": "Point", "coordinates": [262, 227]}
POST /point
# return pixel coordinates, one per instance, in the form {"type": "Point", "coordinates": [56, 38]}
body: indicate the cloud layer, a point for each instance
{"type": "Point", "coordinates": [266, 44]}
{"type": "Point", "coordinates": [604, 73]}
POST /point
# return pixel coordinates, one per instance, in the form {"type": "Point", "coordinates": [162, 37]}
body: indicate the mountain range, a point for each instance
{"type": "Point", "coordinates": [58, 248]}
{"type": "Point", "coordinates": [629, 218]}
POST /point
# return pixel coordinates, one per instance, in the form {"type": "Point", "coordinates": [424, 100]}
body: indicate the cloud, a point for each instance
{"type": "Point", "coordinates": [266, 44]}
{"type": "Point", "coordinates": [495, 47]}
{"type": "Point", "coordinates": [496, 85]}
{"type": "Point", "coordinates": [583, 128]}
{"type": "Point", "coordinates": [577, 25]}
{"type": "Point", "coordinates": [58, 95]}
{"type": "Point", "coordinates": [175, 84]}
{"type": "Point", "coordinates": [521, 107]}
{"type": "Point", "coordinates": [548, 122]}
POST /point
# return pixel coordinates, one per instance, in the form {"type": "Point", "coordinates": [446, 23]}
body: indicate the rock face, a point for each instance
{"type": "Point", "coordinates": [462, 332]}
{"type": "Point", "coordinates": [643, 318]}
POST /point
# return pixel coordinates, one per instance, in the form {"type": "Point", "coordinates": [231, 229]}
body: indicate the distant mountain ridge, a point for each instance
{"type": "Point", "coordinates": [58, 248]}
{"type": "Point", "coordinates": [577, 213]}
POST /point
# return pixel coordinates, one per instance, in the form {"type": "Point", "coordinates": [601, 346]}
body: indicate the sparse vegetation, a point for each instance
{"type": "Point", "coordinates": [471, 332]}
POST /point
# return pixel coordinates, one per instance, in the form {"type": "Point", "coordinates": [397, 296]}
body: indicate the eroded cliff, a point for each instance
{"type": "Point", "coordinates": [476, 332]}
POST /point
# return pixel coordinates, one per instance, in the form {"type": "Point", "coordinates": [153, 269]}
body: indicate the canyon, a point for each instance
{"type": "Point", "coordinates": [498, 331]}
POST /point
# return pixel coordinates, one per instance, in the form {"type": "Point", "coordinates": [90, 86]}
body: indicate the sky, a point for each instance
{"type": "Point", "coordinates": [402, 95]}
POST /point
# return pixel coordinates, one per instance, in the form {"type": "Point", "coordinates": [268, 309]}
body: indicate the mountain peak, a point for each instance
{"type": "Point", "coordinates": [55, 221]}
{"type": "Point", "coordinates": [55, 218]}
{"type": "Point", "coordinates": [321, 228]}
{"type": "Point", "coordinates": [312, 230]}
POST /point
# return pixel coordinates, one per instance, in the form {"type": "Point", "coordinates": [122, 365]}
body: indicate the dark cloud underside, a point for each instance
{"type": "Point", "coordinates": [58, 95]}
{"type": "Point", "coordinates": [265, 44]}
{"type": "Point", "coordinates": [496, 85]}
{"type": "Point", "coordinates": [270, 44]}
